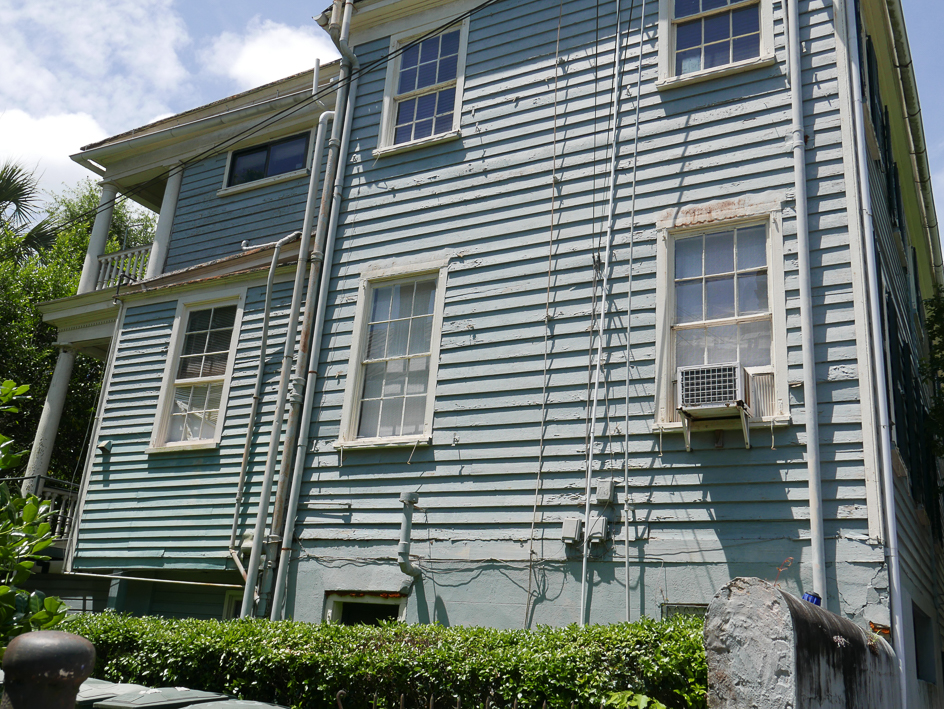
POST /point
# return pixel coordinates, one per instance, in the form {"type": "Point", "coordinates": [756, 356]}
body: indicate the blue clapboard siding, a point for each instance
{"type": "Point", "coordinates": [174, 509]}
{"type": "Point", "coordinates": [486, 203]}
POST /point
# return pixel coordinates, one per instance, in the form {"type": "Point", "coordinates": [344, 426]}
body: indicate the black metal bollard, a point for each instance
{"type": "Point", "coordinates": [44, 669]}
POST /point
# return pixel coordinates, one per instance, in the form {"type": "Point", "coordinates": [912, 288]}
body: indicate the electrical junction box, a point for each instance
{"type": "Point", "coordinates": [572, 530]}
{"type": "Point", "coordinates": [605, 491]}
{"type": "Point", "coordinates": [598, 529]}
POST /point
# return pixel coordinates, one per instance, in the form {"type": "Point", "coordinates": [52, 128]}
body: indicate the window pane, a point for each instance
{"type": "Point", "coordinates": [403, 303]}
{"type": "Point", "coordinates": [395, 382]}
{"type": "Point", "coordinates": [376, 341]}
{"type": "Point", "coordinates": [175, 431]}
{"type": "Point", "coordinates": [413, 415]}
{"type": "Point", "coordinates": [745, 20]}
{"type": "Point", "coordinates": [746, 48]}
{"type": "Point", "coordinates": [182, 399]}
{"type": "Point", "coordinates": [287, 156]}
{"type": "Point", "coordinates": [429, 49]}
{"type": "Point", "coordinates": [403, 134]}
{"type": "Point", "coordinates": [446, 100]}
{"type": "Point", "coordinates": [190, 367]}
{"type": "Point", "coordinates": [406, 111]}
{"type": "Point", "coordinates": [425, 297]}
{"type": "Point", "coordinates": [707, 5]}
{"type": "Point", "coordinates": [423, 129]}
{"type": "Point", "coordinates": [752, 247]}
{"type": "Point", "coordinates": [248, 167]}
{"type": "Point", "coordinates": [199, 320]}
{"type": "Point", "coordinates": [418, 376]}
{"type": "Point", "coordinates": [214, 396]}
{"type": "Point", "coordinates": [219, 340]}
{"type": "Point", "coordinates": [410, 56]}
{"type": "Point", "coordinates": [223, 317]}
{"type": "Point", "coordinates": [214, 365]}
{"type": "Point", "coordinates": [427, 75]}
{"type": "Point", "coordinates": [719, 298]}
{"type": "Point", "coordinates": [752, 293]}
{"type": "Point", "coordinates": [443, 124]}
{"type": "Point", "coordinates": [391, 414]}
{"type": "Point", "coordinates": [689, 347]}
{"type": "Point", "coordinates": [688, 307]}
{"type": "Point", "coordinates": [450, 43]}
{"type": "Point", "coordinates": [370, 419]}
{"type": "Point", "coordinates": [421, 334]}
{"type": "Point", "coordinates": [688, 257]}
{"type": "Point", "coordinates": [684, 8]}
{"type": "Point", "coordinates": [717, 54]}
{"type": "Point", "coordinates": [688, 61]}
{"type": "Point", "coordinates": [397, 335]}
{"type": "Point", "coordinates": [688, 34]}
{"type": "Point", "coordinates": [447, 68]}
{"type": "Point", "coordinates": [407, 81]}
{"type": "Point", "coordinates": [755, 343]}
{"type": "Point", "coordinates": [373, 380]}
{"type": "Point", "coordinates": [195, 343]}
{"type": "Point", "coordinates": [425, 106]}
{"type": "Point", "coordinates": [209, 425]}
{"type": "Point", "coordinates": [721, 344]}
{"type": "Point", "coordinates": [719, 253]}
{"type": "Point", "coordinates": [381, 307]}
{"type": "Point", "coordinates": [717, 28]}
{"type": "Point", "coordinates": [198, 398]}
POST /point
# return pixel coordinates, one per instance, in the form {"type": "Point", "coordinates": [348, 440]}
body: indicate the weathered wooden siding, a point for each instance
{"type": "Point", "coordinates": [174, 509]}
{"type": "Point", "coordinates": [486, 202]}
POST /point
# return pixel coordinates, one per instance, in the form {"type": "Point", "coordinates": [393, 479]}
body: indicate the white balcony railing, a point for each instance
{"type": "Point", "coordinates": [64, 497]}
{"type": "Point", "coordinates": [126, 266]}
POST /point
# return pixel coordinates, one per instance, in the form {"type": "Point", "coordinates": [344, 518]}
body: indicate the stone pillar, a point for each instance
{"type": "Point", "coordinates": [44, 669]}
{"type": "Point", "coordinates": [41, 452]}
{"type": "Point", "coordinates": [98, 238]}
{"type": "Point", "coordinates": [165, 222]}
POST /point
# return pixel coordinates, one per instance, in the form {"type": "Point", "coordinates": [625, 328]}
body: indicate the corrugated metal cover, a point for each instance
{"type": "Point", "coordinates": [164, 697]}
{"type": "Point", "coordinates": [98, 690]}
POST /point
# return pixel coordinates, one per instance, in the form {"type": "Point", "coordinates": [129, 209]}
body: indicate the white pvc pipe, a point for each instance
{"type": "Point", "coordinates": [817, 538]}
{"type": "Point", "coordinates": [601, 327]}
{"type": "Point", "coordinates": [878, 366]}
{"type": "Point", "coordinates": [409, 500]}
{"type": "Point", "coordinates": [165, 223]}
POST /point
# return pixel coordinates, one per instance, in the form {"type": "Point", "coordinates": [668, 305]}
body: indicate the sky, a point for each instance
{"type": "Point", "coordinates": [76, 71]}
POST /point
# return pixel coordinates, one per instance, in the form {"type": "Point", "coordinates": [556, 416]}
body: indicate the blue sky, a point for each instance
{"type": "Point", "coordinates": [76, 71]}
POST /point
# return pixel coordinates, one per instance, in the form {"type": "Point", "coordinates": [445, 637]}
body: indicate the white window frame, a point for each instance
{"type": "Point", "coordinates": [227, 189]}
{"type": "Point", "coordinates": [665, 314]}
{"type": "Point", "coordinates": [185, 306]}
{"type": "Point", "coordinates": [385, 144]}
{"type": "Point", "coordinates": [667, 76]}
{"type": "Point", "coordinates": [350, 412]}
{"type": "Point", "coordinates": [334, 604]}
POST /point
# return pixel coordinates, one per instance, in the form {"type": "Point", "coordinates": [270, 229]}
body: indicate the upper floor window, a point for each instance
{"type": "Point", "coordinates": [269, 160]}
{"type": "Point", "coordinates": [394, 357]}
{"type": "Point", "coordinates": [423, 96]}
{"type": "Point", "coordinates": [706, 36]}
{"type": "Point", "coordinates": [196, 378]}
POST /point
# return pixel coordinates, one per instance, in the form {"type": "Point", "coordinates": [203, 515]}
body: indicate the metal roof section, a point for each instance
{"type": "Point", "coordinates": [93, 691]}
{"type": "Point", "coordinates": [161, 698]}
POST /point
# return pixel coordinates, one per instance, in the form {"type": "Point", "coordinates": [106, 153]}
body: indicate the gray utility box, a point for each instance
{"type": "Point", "coordinates": [163, 698]}
{"type": "Point", "coordinates": [96, 690]}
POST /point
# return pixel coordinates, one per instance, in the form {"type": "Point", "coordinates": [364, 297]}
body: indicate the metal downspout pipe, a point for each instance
{"type": "Point", "coordinates": [256, 396]}
{"type": "Point", "coordinates": [601, 326]}
{"type": "Point", "coordinates": [878, 365]}
{"type": "Point", "coordinates": [312, 364]}
{"type": "Point", "coordinates": [262, 512]}
{"type": "Point", "coordinates": [817, 539]}
{"type": "Point", "coordinates": [409, 500]}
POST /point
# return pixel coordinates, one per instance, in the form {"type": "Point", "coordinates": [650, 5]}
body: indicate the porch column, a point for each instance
{"type": "Point", "coordinates": [41, 451]}
{"type": "Point", "coordinates": [158, 254]}
{"type": "Point", "coordinates": [98, 238]}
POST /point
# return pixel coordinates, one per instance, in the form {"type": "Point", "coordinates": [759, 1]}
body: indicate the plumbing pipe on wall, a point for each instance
{"type": "Point", "coordinates": [409, 500]}
{"type": "Point", "coordinates": [878, 363]}
{"type": "Point", "coordinates": [810, 406]}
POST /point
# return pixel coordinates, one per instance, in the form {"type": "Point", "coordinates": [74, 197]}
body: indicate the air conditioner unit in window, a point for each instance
{"type": "Point", "coordinates": [712, 391]}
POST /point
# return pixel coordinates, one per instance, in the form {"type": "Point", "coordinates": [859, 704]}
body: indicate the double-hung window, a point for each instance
{"type": "Point", "coordinates": [706, 36]}
{"type": "Point", "coordinates": [424, 88]}
{"type": "Point", "coordinates": [394, 359]}
{"type": "Point", "coordinates": [197, 377]}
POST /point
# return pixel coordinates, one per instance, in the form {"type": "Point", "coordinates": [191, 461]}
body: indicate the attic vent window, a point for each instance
{"type": "Point", "coordinates": [269, 160]}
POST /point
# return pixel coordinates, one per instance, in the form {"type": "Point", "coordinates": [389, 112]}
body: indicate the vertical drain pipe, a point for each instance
{"type": "Point", "coordinates": [878, 365]}
{"type": "Point", "coordinates": [810, 405]}
{"type": "Point", "coordinates": [617, 78]}
{"type": "Point", "coordinates": [409, 500]}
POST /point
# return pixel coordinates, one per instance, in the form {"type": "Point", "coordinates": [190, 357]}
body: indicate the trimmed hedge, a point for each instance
{"type": "Point", "coordinates": [305, 665]}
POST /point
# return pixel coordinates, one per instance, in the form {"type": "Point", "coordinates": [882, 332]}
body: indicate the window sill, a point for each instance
{"type": "Point", "coordinates": [398, 442]}
{"type": "Point", "coordinates": [188, 446]}
{"type": "Point", "coordinates": [413, 145]}
{"type": "Point", "coordinates": [264, 182]}
{"type": "Point", "coordinates": [779, 421]}
{"type": "Point", "coordinates": [706, 74]}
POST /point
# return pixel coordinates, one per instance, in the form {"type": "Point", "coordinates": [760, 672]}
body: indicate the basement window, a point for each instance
{"type": "Point", "coordinates": [363, 608]}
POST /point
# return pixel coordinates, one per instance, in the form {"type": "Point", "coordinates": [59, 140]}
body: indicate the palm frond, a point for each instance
{"type": "Point", "coordinates": [19, 194]}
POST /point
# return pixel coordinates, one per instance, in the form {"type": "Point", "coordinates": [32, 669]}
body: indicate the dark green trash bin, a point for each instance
{"type": "Point", "coordinates": [97, 690]}
{"type": "Point", "coordinates": [162, 698]}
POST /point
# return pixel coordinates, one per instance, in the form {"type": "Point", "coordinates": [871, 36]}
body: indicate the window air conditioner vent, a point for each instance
{"type": "Point", "coordinates": [710, 386]}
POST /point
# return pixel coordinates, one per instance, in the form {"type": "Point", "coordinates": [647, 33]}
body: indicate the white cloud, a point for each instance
{"type": "Point", "coordinates": [267, 51]}
{"type": "Point", "coordinates": [44, 145]}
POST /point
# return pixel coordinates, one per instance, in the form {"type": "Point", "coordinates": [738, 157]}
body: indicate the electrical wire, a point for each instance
{"type": "Point", "coordinates": [270, 120]}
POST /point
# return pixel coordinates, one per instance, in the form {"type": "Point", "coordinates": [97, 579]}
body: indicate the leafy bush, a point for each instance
{"type": "Point", "coordinates": [305, 665]}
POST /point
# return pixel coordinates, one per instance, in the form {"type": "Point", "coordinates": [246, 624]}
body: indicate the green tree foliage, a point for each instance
{"type": "Point", "coordinates": [643, 664]}
{"type": "Point", "coordinates": [50, 271]}
{"type": "Point", "coordinates": [932, 368]}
